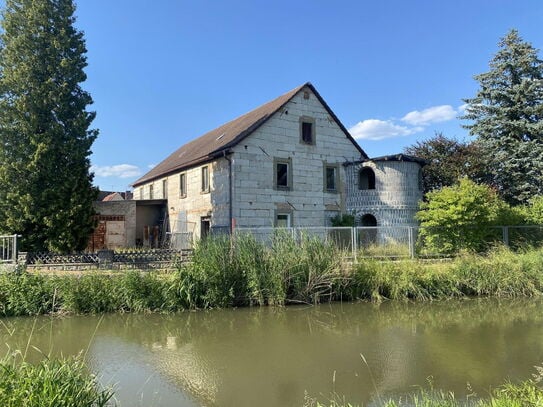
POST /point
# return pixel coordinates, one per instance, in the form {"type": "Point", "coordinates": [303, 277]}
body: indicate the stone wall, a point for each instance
{"type": "Point", "coordinates": [396, 196]}
{"type": "Point", "coordinates": [257, 201]}
{"type": "Point", "coordinates": [186, 211]}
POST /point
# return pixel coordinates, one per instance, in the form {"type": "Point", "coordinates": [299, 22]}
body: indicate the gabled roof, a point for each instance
{"type": "Point", "coordinates": [217, 142]}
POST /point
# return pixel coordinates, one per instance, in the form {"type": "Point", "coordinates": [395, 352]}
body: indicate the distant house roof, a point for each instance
{"type": "Point", "coordinates": [113, 196]}
{"type": "Point", "coordinates": [215, 143]}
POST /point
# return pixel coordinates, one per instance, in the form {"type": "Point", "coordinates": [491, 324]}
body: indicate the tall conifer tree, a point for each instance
{"type": "Point", "coordinates": [46, 190]}
{"type": "Point", "coordinates": [507, 118]}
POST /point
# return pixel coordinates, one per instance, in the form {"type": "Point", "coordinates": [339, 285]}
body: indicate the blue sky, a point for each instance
{"type": "Point", "coordinates": [162, 73]}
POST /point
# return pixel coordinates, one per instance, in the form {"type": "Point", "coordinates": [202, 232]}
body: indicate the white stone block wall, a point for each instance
{"type": "Point", "coordinates": [395, 199]}
{"type": "Point", "coordinates": [257, 201]}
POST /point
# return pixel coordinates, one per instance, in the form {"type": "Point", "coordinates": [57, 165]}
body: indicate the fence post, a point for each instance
{"type": "Point", "coordinates": [411, 242]}
{"type": "Point", "coordinates": [14, 255]}
{"type": "Point", "coordinates": [505, 232]}
{"type": "Point", "coordinates": [353, 242]}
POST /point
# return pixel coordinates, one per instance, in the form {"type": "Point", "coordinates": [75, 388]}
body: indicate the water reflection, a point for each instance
{"type": "Point", "coordinates": [270, 356]}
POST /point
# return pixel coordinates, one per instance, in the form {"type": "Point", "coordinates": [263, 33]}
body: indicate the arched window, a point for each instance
{"type": "Point", "coordinates": [367, 237]}
{"type": "Point", "coordinates": [366, 178]}
{"type": "Point", "coordinates": [368, 220]}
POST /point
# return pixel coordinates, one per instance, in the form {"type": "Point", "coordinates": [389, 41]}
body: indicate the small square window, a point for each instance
{"type": "Point", "coordinates": [282, 220]}
{"type": "Point", "coordinates": [205, 179]}
{"type": "Point", "coordinates": [183, 185]}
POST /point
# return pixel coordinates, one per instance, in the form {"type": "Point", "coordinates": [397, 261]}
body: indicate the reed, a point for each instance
{"type": "Point", "coordinates": [59, 382]}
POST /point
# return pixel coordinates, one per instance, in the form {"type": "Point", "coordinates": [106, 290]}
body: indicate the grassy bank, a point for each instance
{"type": "Point", "coordinates": [525, 394]}
{"type": "Point", "coordinates": [62, 382]}
{"type": "Point", "coordinates": [223, 274]}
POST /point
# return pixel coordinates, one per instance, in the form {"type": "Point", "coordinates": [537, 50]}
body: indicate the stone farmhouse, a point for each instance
{"type": "Point", "coordinates": [289, 162]}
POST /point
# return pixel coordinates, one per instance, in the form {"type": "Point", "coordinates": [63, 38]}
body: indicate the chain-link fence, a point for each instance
{"type": "Point", "coordinates": [409, 241]}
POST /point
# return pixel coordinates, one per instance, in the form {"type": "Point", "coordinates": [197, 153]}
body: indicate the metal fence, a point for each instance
{"type": "Point", "coordinates": [179, 240]}
{"type": "Point", "coordinates": [407, 241]}
{"type": "Point", "coordinates": [8, 249]}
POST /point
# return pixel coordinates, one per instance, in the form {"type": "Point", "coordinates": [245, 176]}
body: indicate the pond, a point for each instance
{"type": "Point", "coordinates": [273, 356]}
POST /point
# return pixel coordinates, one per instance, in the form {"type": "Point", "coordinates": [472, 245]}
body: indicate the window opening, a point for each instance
{"type": "Point", "coordinates": [366, 178]}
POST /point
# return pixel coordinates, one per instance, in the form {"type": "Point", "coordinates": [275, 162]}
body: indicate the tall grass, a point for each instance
{"type": "Point", "coordinates": [525, 394]}
{"type": "Point", "coordinates": [54, 383]}
{"type": "Point", "coordinates": [245, 272]}
{"type": "Point", "coordinates": [500, 273]}
{"type": "Point", "coordinates": [226, 272]}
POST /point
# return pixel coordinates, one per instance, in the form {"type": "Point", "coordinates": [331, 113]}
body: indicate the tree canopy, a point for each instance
{"type": "Point", "coordinates": [507, 119]}
{"type": "Point", "coordinates": [448, 160]}
{"type": "Point", "coordinates": [46, 188]}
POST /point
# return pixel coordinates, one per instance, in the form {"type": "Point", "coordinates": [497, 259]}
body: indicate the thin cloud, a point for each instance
{"type": "Point", "coordinates": [119, 171]}
{"type": "Point", "coordinates": [374, 129]}
{"type": "Point", "coordinates": [434, 114]}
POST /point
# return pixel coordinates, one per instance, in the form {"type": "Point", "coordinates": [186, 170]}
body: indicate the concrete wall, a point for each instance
{"type": "Point", "coordinates": [121, 208]}
{"type": "Point", "coordinates": [257, 201]}
{"type": "Point", "coordinates": [396, 196]}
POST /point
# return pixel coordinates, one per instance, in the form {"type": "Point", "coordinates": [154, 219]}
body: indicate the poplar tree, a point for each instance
{"type": "Point", "coordinates": [46, 190]}
{"type": "Point", "coordinates": [507, 119]}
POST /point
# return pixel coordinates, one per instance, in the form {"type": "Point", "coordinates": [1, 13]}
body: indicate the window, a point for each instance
{"type": "Point", "coordinates": [307, 130]}
{"type": "Point", "coordinates": [366, 178]}
{"type": "Point", "coordinates": [205, 179]}
{"type": "Point", "coordinates": [282, 220]}
{"type": "Point", "coordinates": [151, 191]}
{"type": "Point", "coordinates": [140, 190]}
{"type": "Point", "coordinates": [183, 185]}
{"type": "Point", "coordinates": [165, 188]}
{"type": "Point", "coordinates": [282, 173]}
{"type": "Point", "coordinates": [330, 178]}
{"type": "Point", "coordinates": [420, 180]}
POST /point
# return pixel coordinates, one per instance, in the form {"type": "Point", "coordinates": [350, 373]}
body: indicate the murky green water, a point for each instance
{"type": "Point", "coordinates": [271, 356]}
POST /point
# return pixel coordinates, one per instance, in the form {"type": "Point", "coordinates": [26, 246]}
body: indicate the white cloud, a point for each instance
{"type": "Point", "coordinates": [462, 108]}
{"type": "Point", "coordinates": [374, 129]}
{"type": "Point", "coordinates": [434, 114]}
{"type": "Point", "coordinates": [120, 171]}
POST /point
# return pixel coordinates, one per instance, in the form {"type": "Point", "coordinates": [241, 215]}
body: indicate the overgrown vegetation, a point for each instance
{"type": "Point", "coordinates": [59, 383]}
{"type": "Point", "coordinates": [509, 395]}
{"type": "Point", "coordinates": [248, 272]}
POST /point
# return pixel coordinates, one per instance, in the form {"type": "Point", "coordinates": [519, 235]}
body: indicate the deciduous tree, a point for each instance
{"type": "Point", "coordinates": [448, 160]}
{"type": "Point", "coordinates": [46, 188]}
